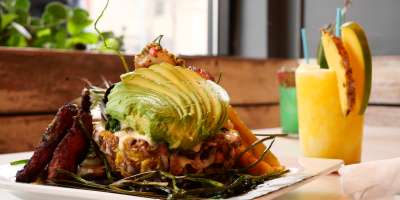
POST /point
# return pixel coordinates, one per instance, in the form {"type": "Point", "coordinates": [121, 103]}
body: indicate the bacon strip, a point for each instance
{"type": "Point", "coordinates": [74, 146]}
{"type": "Point", "coordinates": [50, 139]}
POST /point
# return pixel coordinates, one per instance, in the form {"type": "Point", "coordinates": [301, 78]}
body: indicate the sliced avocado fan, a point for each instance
{"type": "Point", "coordinates": [169, 104]}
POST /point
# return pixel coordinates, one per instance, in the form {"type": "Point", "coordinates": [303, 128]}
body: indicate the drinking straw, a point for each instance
{"type": "Point", "coordinates": [305, 44]}
{"type": "Point", "coordinates": [343, 13]}
{"type": "Point", "coordinates": [338, 21]}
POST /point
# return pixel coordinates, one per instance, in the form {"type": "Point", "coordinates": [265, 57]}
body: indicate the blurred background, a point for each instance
{"type": "Point", "coordinates": [249, 28]}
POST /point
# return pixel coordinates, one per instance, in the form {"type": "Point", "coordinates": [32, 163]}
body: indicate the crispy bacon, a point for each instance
{"type": "Point", "coordinates": [73, 147]}
{"type": "Point", "coordinates": [50, 139]}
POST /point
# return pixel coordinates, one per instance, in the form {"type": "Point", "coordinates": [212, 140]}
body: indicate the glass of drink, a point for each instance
{"type": "Point", "coordinates": [288, 100]}
{"type": "Point", "coordinates": [323, 129]}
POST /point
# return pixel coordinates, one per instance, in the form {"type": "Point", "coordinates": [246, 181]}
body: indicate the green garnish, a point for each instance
{"type": "Point", "coordinates": [158, 39]}
{"type": "Point", "coordinates": [161, 184]}
{"type": "Point", "coordinates": [262, 155]}
{"type": "Point", "coordinates": [99, 153]}
{"type": "Point", "coordinates": [19, 162]}
{"type": "Point", "coordinates": [113, 125]}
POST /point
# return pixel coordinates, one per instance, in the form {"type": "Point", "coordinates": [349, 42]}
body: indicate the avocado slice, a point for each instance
{"type": "Point", "coordinates": [147, 84]}
{"type": "Point", "coordinates": [189, 105]}
{"type": "Point", "coordinates": [180, 82]}
{"type": "Point", "coordinates": [119, 107]}
{"type": "Point", "coordinates": [206, 94]}
{"type": "Point", "coordinates": [169, 104]}
{"type": "Point", "coordinates": [159, 79]}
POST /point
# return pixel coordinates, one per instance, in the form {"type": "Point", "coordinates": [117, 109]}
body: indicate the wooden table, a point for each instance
{"type": "Point", "coordinates": [379, 143]}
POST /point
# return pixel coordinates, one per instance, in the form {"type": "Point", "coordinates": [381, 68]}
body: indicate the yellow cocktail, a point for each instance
{"type": "Point", "coordinates": [323, 129]}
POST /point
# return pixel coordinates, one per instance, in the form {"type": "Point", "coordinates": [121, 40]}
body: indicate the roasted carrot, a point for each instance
{"type": "Point", "coordinates": [261, 168]}
{"type": "Point", "coordinates": [248, 138]}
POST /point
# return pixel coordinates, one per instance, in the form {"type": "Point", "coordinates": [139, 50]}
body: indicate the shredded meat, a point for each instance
{"type": "Point", "coordinates": [50, 139]}
{"type": "Point", "coordinates": [215, 154]}
{"type": "Point", "coordinates": [203, 73]}
{"type": "Point", "coordinates": [153, 53]}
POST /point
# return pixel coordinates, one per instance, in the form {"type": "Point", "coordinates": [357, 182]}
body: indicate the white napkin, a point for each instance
{"type": "Point", "coordinates": [377, 180]}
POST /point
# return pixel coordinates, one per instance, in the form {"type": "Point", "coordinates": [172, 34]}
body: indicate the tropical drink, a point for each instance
{"type": "Point", "coordinates": [331, 102]}
{"type": "Point", "coordinates": [324, 131]}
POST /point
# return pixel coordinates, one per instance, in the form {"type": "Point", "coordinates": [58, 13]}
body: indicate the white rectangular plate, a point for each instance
{"type": "Point", "coordinates": [302, 171]}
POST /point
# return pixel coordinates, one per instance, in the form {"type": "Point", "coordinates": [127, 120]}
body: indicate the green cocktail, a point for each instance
{"type": "Point", "coordinates": [288, 100]}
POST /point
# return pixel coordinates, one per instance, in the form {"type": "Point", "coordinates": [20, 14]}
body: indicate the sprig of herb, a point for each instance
{"type": "Point", "coordinates": [99, 154]}
{"type": "Point", "coordinates": [259, 159]}
{"type": "Point", "coordinates": [219, 78]}
{"type": "Point", "coordinates": [158, 39]}
{"type": "Point", "coordinates": [166, 184]}
{"type": "Point", "coordinates": [252, 146]}
{"type": "Point", "coordinates": [121, 57]}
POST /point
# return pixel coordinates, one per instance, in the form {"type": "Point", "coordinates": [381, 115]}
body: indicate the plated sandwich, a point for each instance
{"type": "Point", "coordinates": [166, 130]}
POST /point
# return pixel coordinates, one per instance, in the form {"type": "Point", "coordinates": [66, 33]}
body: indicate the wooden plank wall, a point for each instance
{"type": "Point", "coordinates": [384, 109]}
{"type": "Point", "coordinates": [34, 84]}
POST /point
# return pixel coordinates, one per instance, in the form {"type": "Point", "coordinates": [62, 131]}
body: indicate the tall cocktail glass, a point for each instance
{"type": "Point", "coordinates": [323, 130]}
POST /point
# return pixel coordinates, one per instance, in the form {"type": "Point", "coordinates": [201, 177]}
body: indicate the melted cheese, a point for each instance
{"type": "Point", "coordinates": [129, 135]}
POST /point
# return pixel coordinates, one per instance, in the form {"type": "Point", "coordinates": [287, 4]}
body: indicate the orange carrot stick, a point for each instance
{"type": "Point", "coordinates": [248, 138]}
{"type": "Point", "coordinates": [261, 168]}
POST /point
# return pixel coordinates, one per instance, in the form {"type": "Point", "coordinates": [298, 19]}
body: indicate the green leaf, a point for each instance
{"type": "Point", "coordinates": [88, 38]}
{"type": "Point", "coordinates": [21, 30]}
{"type": "Point", "coordinates": [60, 39]}
{"type": "Point", "coordinates": [17, 40]}
{"type": "Point", "coordinates": [9, 5]}
{"type": "Point", "coordinates": [78, 21]}
{"type": "Point", "coordinates": [42, 41]}
{"type": "Point", "coordinates": [108, 34]}
{"type": "Point", "coordinates": [36, 24]}
{"type": "Point", "coordinates": [83, 38]}
{"type": "Point", "coordinates": [113, 125]}
{"type": "Point", "coordinates": [23, 5]}
{"type": "Point", "coordinates": [6, 19]}
{"type": "Point", "coordinates": [112, 45]}
{"type": "Point", "coordinates": [43, 32]}
{"type": "Point", "coordinates": [55, 13]}
{"type": "Point", "coordinates": [23, 17]}
{"type": "Point", "coordinates": [321, 59]}
{"type": "Point", "coordinates": [36, 21]}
